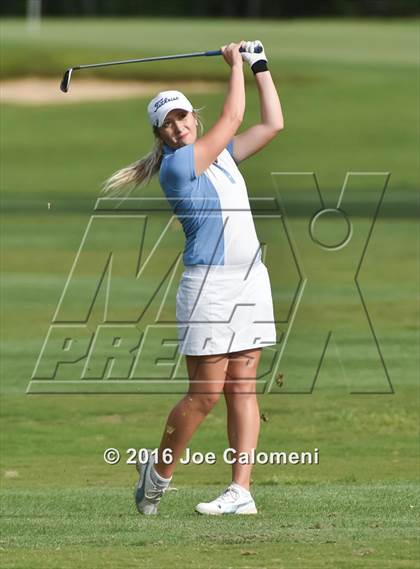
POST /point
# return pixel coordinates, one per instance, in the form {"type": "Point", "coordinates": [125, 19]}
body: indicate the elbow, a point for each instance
{"type": "Point", "coordinates": [277, 127]}
{"type": "Point", "coordinates": [235, 118]}
{"type": "Point", "coordinates": [274, 129]}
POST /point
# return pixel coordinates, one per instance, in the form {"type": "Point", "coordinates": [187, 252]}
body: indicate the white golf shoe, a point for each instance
{"type": "Point", "coordinates": [234, 500]}
{"type": "Point", "coordinates": [148, 491]}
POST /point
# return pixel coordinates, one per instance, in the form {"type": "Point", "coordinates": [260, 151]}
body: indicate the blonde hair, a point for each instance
{"type": "Point", "coordinates": [140, 173]}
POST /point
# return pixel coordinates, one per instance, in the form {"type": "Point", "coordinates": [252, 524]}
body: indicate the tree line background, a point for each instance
{"type": "Point", "coordinates": [215, 8]}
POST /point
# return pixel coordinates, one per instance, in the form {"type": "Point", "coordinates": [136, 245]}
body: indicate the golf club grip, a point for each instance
{"type": "Point", "coordinates": [258, 49]}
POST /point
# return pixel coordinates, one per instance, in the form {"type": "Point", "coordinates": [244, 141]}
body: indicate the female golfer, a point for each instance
{"type": "Point", "coordinates": [224, 307]}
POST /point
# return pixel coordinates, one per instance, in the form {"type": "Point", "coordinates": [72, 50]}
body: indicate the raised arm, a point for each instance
{"type": "Point", "coordinates": [271, 117]}
{"type": "Point", "coordinates": [210, 145]}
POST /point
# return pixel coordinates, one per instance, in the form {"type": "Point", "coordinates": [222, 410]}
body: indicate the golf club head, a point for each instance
{"type": "Point", "coordinates": [65, 82]}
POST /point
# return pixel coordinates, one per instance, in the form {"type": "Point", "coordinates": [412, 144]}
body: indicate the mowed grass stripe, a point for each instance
{"type": "Point", "coordinates": [77, 41]}
{"type": "Point", "coordinates": [106, 516]}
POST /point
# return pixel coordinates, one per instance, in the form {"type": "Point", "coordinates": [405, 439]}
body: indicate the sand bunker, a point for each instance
{"type": "Point", "coordinates": [41, 91]}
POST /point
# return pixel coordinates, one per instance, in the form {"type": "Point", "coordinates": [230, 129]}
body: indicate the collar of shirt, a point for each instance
{"type": "Point", "coordinates": [167, 149]}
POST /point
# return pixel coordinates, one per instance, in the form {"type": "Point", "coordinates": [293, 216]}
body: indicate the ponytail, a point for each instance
{"type": "Point", "coordinates": [138, 173]}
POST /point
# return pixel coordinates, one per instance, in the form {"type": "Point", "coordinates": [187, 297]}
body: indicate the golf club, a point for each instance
{"type": "Point", "coordinates": [65, 82]}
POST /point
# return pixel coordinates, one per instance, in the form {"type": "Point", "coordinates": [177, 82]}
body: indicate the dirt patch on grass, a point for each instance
{"type": "Point", "coordinates": [111, 419]}
{"type": "Point", "coordinates": [41, 91]}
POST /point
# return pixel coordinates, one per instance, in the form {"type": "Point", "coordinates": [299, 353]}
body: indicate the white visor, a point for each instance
{"type": "Point", "coordinates": [163, 103]}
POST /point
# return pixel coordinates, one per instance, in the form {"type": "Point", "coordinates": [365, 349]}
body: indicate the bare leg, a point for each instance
{"type": "Point", "coordinates": [242, 409]}
{"type": "Point", "coordinates": [207, 377]}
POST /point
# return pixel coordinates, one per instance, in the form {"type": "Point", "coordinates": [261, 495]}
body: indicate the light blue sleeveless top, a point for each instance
{"type": "Point", "coordinates": [213, 208]}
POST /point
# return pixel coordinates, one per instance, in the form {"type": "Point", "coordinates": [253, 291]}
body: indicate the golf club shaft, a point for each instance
{"type": "Point", "coordinates": [145, 59]}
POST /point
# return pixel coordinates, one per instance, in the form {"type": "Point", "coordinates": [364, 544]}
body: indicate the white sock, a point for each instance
{"type": "Point", "coordinates": [157, 478]}
{"type": "Point", "coordinates": [240, 489]}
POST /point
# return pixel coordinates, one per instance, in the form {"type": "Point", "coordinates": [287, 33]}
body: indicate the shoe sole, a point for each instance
{"type": "Point", "coordinates": [247, 510]}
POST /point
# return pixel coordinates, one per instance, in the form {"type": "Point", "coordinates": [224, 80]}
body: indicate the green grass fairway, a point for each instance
{"type": "Point", "coordinates": [349, 93]}
{"type": "Point", "coordinates": [323, 526]}
{"type": "Point", "coordinates": [63, 505]}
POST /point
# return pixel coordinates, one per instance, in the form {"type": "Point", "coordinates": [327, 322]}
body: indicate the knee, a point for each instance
{"type": "Point", "coordinates": [245, 388]}
{"type": "Point", "coordinates": [204, 402]}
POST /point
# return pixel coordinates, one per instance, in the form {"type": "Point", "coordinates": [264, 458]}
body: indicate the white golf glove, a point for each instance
{"type": "Point", "coordinates": [249, 56]}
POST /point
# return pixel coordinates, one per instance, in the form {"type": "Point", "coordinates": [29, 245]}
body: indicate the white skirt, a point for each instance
{"type": "Point", "coordinates": [222, 309]}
